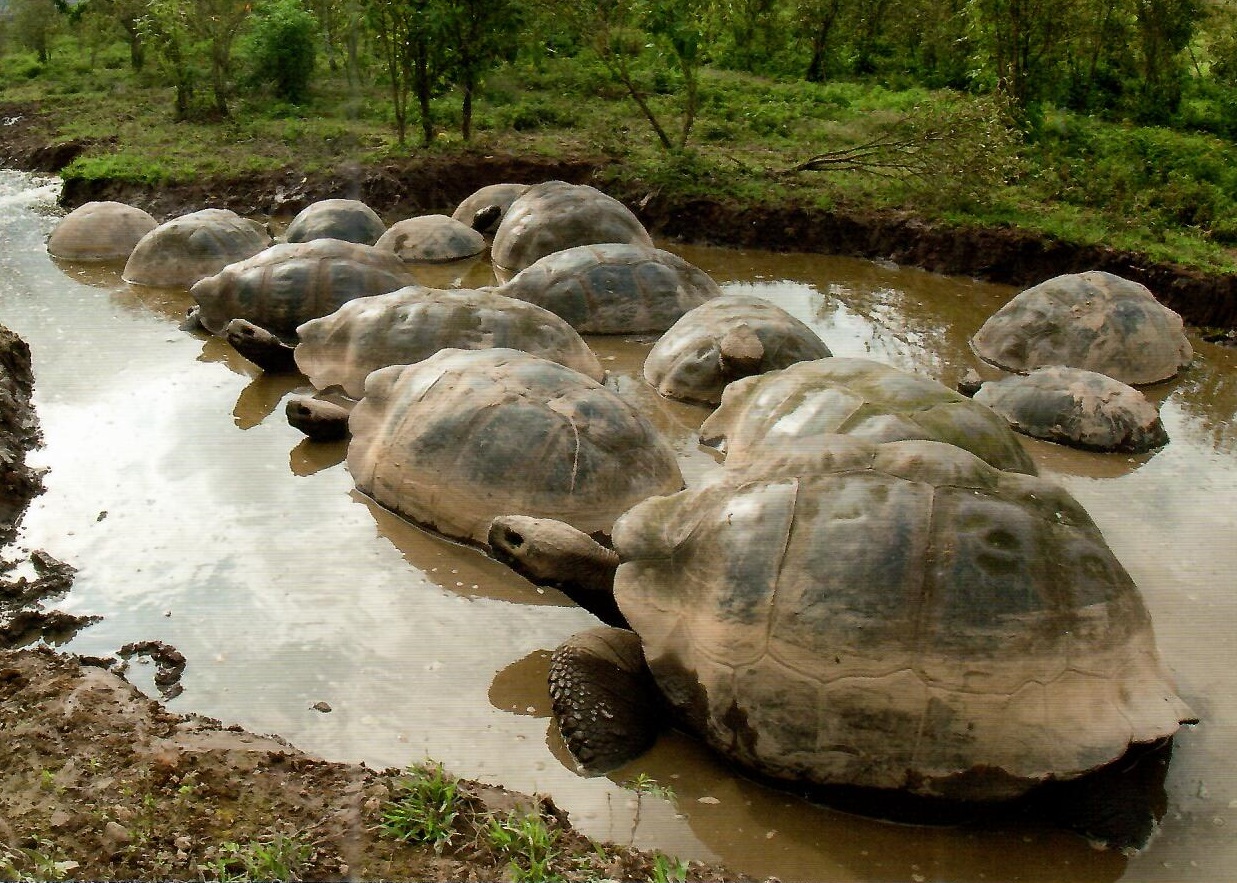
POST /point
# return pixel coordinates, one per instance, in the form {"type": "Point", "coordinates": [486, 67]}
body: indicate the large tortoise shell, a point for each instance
{"type": "Point", "coordinates": [785, 415]}
{"type": "Point", "coordinates": [465, 436]}
{"type": "Point", "coordinates": [904, 616]}
{"type": "Point", "coordinates": [293, 282]}
{"type": "Point", "coordinates": [413, 323]}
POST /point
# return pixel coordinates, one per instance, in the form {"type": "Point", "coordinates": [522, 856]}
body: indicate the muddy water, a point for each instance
{"type": "Point", "coordinates": [198, 517]}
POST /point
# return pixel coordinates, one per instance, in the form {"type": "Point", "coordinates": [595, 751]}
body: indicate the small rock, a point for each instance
{"type": "Point", "coordinates": [323, 707]}
{"type": "Point", "coordinates": [182, 842]}
{"type": "Point", "coordinates": [60, 818]}
{"type": "Point", "coordinates": [711, 801]}
{"type": "Point", "coordinates": [115, 835]}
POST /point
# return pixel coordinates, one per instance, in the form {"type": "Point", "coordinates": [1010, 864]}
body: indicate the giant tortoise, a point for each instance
{"type": "Point", "coordinates": [1091, 320]}
{"type": "Point", "coordinates": [258, 303]}
{"type": "Point", "coordinates": [555, 215]}
{"type": "Point", "coordinates": [723, 340]}
{"type": "Point", "coordinates": [99, 231]}
{"type": "Point", "coordinates": [466, 435]}
{"type": "Point", "coordinates": [432, 239]}
{"type": "Point", "coordinates": [483, 210]}
{"type": "Point", "coordinates": [614, 288]}
{"type": "Point", "coordinates": [179, 252]}
{"type": "Point", "coordinates": [902, 617]}
{"type": "Point", "coordinates": [1076, 407]}
{"type": "Point", "coordinates": [786, 415]}
{"type": "Point", "coordinates": [413, 323]}
{"type": "Point", "coordinates": [348, 219]}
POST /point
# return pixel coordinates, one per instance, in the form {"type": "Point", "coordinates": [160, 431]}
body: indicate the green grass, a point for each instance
{"type": "Point", "coordinates": [274, 856]}
{"type": "Point", "coordinates": [41, 861]}
{"type": "Point", "coordinates": [528, 844]}
{"type": "Point", "coordinates": [426, 809]}
{"type": "Point", "coordinates": [1168, 194]}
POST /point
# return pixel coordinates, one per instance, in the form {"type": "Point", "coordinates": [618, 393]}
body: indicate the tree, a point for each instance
{"type": "Point", "coordinates": [165, 28]}
{"type": "Point", "coordinates": [180, 30]}
{"type": "Point", "coordinates": [1021, 42]}
{"type": "Point", "coordinates": [33, 23]}
{"type": "Point", "coordinates": [218, 22]}
{"type": "Point", "coordinates": [342, 24]}
{"type": "Point", "coordinates": [681, 30]}
{"type": "Point", "coordinates": [282, 47]}
{"type": "Point", "coordinates": [128, 14]}
{"type": "Point", "coordinates": [818, 21]}
{"type": "Point", "coordinates": [619, 31]}
{"type": "Point", "coordinates": [478, 32]}
{"type": "Point", "coordinates": [1165, 28]}
{"type": "Point", "coordinates": [409, 36]}
{"type": "Point", "coordinates": [751, 31]}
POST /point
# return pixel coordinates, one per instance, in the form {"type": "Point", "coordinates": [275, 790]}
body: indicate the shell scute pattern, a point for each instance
{"type": "Point", "coordinates": [785, 414]}
{"type": "Point", "coordinates": [179, 252]}
{"type": "Point", "coordinates": [347, 219]}
{"type": "Point", "coordinates": [554, 216]}
{"type": "Point", "coordinates": [1094, 320]}
{"type": "Point", "coordinates": [614, 288]}
{"type": "Point", "coordinates": [464, 436]}
{"type": "Point", "coordinates": [1077, 407]}
{"type": "Point", "coordinates": [901, 619]}
{"type": "Point", "coordinates": [99, 231]}
{"type": "Point", "coordinates": [291, 283]}
{"type": "Point", "coordinates": [413, 323]}
{"type": "Point", "coordinates": [690, 361]}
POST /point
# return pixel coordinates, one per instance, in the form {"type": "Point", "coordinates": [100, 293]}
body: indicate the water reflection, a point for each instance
{"type": "Point", "coordinates": [97, 275]}
{"type": "Point", "coordinates": [264, 395]}
{"type": "Point", "coordinates": [287, 588]}
{"type": "Point", "coordinates": [457, 568]}
{"type": "Point", "coordinates": [309, 457]}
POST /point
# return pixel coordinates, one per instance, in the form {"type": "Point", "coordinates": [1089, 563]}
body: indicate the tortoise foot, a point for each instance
{"type": "Point", "coordinates": [603, 697]}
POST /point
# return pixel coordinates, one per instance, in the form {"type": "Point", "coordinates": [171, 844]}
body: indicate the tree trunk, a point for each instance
{"type": "Point", "coordinates": [423, 97]}
{"type": "Point", "coordinates": [466, 113]}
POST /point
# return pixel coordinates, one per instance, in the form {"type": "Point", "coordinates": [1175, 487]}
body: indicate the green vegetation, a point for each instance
{"type": "Point", "coordinates": [1099, 122]}
{"type": "Point", "coordinates": [528, 844]}
{"type": "Point", "coordinates": [40, 861]}
{"type": "Point", "coordinates": [426, 808]}
{"type": "Point", "coordinates": [668, 870]}
{"type": "Point", "coordinates": [274, 856]}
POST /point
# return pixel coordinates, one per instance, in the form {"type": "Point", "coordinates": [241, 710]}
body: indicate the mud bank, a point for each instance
{"type": "Point", "coordinates": [421, 185]}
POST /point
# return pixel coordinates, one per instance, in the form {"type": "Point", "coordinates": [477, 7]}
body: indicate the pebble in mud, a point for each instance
{"type": "Point", "coordinates": [324, 707]}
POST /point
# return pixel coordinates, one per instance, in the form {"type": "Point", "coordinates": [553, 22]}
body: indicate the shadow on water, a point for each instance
{"type": "Point", "coordinates": [263, 396]}
{"type": "Point", "coordinates": [458, 568]}
{"type": "Point", "coordinates": [1095, 821]}
{"type": "Point", "coordinates": [105, 274]}
{"type": "Point", "coordinates": [311, 457]}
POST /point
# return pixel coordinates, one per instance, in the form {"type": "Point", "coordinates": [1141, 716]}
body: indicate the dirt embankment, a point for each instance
{"type": "Point", "coordinates": [426, 183]}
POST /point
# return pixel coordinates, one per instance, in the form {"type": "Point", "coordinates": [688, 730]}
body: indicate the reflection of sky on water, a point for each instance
{"type": "Point", "coordinates": [284, 588]}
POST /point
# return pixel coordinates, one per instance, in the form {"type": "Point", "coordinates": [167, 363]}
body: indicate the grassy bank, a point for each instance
{"type": "Point", "coordinates": [1166, 194]}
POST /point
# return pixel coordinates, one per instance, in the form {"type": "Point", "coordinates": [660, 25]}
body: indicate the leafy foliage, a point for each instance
{"type": "Point", "coordinates": [282, 47]}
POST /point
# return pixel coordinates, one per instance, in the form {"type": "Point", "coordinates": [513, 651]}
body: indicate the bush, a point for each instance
{"type": "Point", "coordinates": [282, 47]}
